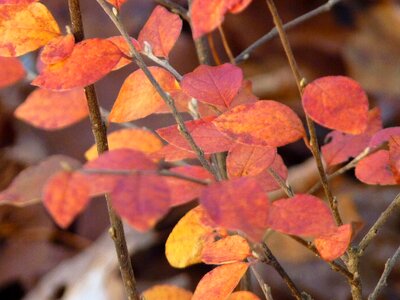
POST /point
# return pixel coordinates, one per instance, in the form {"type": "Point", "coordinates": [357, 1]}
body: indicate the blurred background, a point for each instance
{"type": "Point", "coordinates": [357, 38]}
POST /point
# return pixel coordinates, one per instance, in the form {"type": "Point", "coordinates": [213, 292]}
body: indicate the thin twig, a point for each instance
{"type": "Point", "coordinates": [100, 135]}
{"type": "Point", "coordinates": [226, 44]}
{"type": "Point", "coordinates": [166, 97]}
{"type": "Point", "coordinates": [274, 32]}
{"type": "Point", "coordinates": [175, 8]}
{"type": "Point", "coordinates": [382, 283]}
{"type": "Point", "coordinates": [373, 231]}
{"type": "Point", "coordinates": [284, 186]}
{"type": "Point", "coordinates": [266, 289]}
{"type": "Point", "coordinates": [213, 48]}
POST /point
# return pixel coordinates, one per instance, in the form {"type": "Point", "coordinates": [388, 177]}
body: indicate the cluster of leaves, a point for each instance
{"type": "Point", "coordinates": [233, 214]}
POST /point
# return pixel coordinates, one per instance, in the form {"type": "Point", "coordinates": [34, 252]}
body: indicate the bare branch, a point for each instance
{"type": "Point", "coordinates": [264, 287]}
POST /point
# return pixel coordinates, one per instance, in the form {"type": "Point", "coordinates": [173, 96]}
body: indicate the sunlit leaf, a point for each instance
{"type": "Point", "coordinates": [334, 245]}
{"type": "Point", "coordinates": [11, 71]}
{"type": "Point", "coordinates": [51, 110]}
{"type": "Point", "coordinates": [375, 169]}
{"type": "Point", "coordinates": [171, 153]}
{"type": "Point", "coordinates": [337, 102]}
{"type": "Point", "coordinates": [243, 295]}
{"type": "Point", "coordinates": [166, 292]}
{"type": "Point", "coordinates": [58, 49]}
{"type": "Point", "coordinates": [264, 123]}
{"type": "Point", "coordinates": [25, 28]}
{"type": "Point", "coordinates": [383, 136]}
{"type": "Point", "coordinates": [121, 43]}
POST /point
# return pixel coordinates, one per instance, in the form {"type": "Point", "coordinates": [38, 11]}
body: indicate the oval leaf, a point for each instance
{"type": "Point", "coordinates": [375, 169]}
{"type": "Point", "coordinates": [243, 295]}
{"type": "Point", "coordinates": [166, 292]}
{"type": "Point", "coordinates": [334, 245]}
{"type": "Point", "coordinates": [58, 49]}
{"type": "Point", "coordinates": [383, 136]}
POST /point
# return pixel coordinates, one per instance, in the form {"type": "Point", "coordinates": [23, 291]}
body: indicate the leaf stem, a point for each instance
{"type": "Point", "coordinates": [100, 134]}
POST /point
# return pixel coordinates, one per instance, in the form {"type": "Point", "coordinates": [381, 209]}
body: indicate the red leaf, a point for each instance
{"type": "Point", "coordinates": [344, 146]}
{"type": "Point", "coordinates": [116, 3]}
{"type": "Point", "coordinates": [27, 187]}
{"type": "Point", "coordinates": [11, 71]}
{"type": "Point", "coordinates": [204, 133]}
{"type": "Point", "coordinates": [220, 282]}
{"type": "Point", "coordinates": [161, 31]}
{"type": "Point", "coordinates": [65, 195]}
{"type": "Point", "coordinates": [337, 102]}
{"type": "Point", "coordinates": [246, 160]}
{"type": "Point", "coordinates": [265, 179]}
{"type": "Point", "coordinates": [138, 98]}
{"type": "Point", "coordinates": [264, 123]}
{"type": "Point", "coordinates": [58, 49]}
{"type": "Point", "coordinates": [383, 136]}
{"type": "Point", "coordinates": [51, 110]}
{"type": "Point", "coordinates": [238, 204]}
{"type": "Point", "coordinates": [233, 248]}
{"type": "Point", "coordinates": [375, 169]}
{"type": "Point", "coordinates": [394, 156]}
{"type": "Point", "coordinates": [334, 245]}
{"type": "Point", "coordinates": [214, 85]}
{"type": "Point", "coordinates": [172, 153]}
{"type": "Point", "coordinates": [89, 61]}
{"type": "Point", "coordinates": [141, 199]}
{"type": "Point", "coordinates": [119, 159]}
{"type": "Point", "coordinates": [123, 46]}
{"type": "Point", "coordinates": [183, 191]}
{"type": "Point", "coordinates": [303, 215]}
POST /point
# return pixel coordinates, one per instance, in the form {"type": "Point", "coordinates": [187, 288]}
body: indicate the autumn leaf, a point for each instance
{"type": "Point", "coordinates": [267, 181]}
{"type": "Point", "coordinates": [17, 1]}
{"type": "Point", "coordinates": [207, 15]}
{"type": "Point", "coordinates": [58, 49]}
{"type": "Point", "coordinates": [89, 61]}
{"type": "Point", "coordinates": [25, 27]}
{"type": "Point", "coordinates": [246, 160]}
{"type": "Point", "coordinates": [118, 159]}
{"type": "Point", "coordinates": [123, 46]}
{"type": "Point", "coordinates": [161, 31]}
{"type": "Point", "coordinates": [343, 146]}
{"type": "Point", "coordinates": [138, 98]}
{"type": "Point", "coordinates": [171, 153]}
{"type": "Point", "coordinates": [182, 191]}
{"type": "Point", "coordinates": [220, 282]}
{"type": "Point", "coordinates": [243, 295]}
{"type": "Point", "coordinates": [303, 215]}
{"type": "Point", "coordinates": [335, 244]}
{"type": "Point", "coordinates": [394, 156]}
{"type": "Point", "coordinates": [65, 195]}
{"type": "Point", "coordinates": [264, 123]}
{"type": "Point", "coordinates": [375, 169]}
{"type": "Point", "coordinates": [214, 85]}
{"type": "Point", "coordinates": [52, 110]}
{"type": "Point", "coordinates": [186, 241]}
{"type": "Point", "coordinates": [11, 71]}
{"type": "Point", "coordinates": [27, 187]}
{"type": "Point", "coordinates": [238, 204]}
{"type": "Point", "coordinates": [383, 136]}
{"type": "Point", "coordinates": [204, 133]}
{"type": "Point", "coordinates": [166, 292]}
{"type": "Point", "coordinates": [131, 138]}
{"type": "Point", "coordinates": [337, 102]}
{"type": "Point", "coordinates": [141, 199]}
{"type": "Point", "coordinates": [116, 3]}
{"type": "Point", "coordinates": [233, 248]}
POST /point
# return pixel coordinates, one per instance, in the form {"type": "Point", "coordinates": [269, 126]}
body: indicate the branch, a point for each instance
{"type": "Point", "coordinates": [113, 14]}
{"type": "Point", "coordinates": [100, 134]}
{"type": "Point", "coordinates": [378, 224]}
{"type": "Point", "coordinates": [175, 8]}
{"type": "Point", "coordinates": [284, 186]}
{"type": "Point", "coordinates": [274, 32]}
{"type": "Point", "coordinates": [264, 287]}
{"type": "Point", "coordinates": [382, 281]}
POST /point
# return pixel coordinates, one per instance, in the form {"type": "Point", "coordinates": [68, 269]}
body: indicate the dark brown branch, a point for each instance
{"type": "Point", "coordinates": [274, 32]}
{"type": "Point", "coordinates": [175, 8]}
{"type": "Point", "coordinates": [100, 134]}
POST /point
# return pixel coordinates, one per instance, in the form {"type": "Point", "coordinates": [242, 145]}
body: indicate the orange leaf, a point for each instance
{"type": "Point", "coordinates": [243, 295]}
{"type": "Point", "coordinates": [172, 153]}
{"type": "Point", "coordinates": [394, 156]}
{"type": "Point", "coordinates": [230, 249]}
{"type": "Point", "coordinates": [11, 71]}
{"type": "Point", "coordinates": [161, 31]}
{"type": "Point", "coordinates": [220, 282]}
{"type": "Point", "coordinates": [264, 123]}
{"type": "Point", "coordinates": [25, 28]}
{"type": "Point", "coordinates": [337, 102]}
{"type": "Point", "coordinates": [186, 241]}
{"type": "Point", "coordinates": [375, 169]}
{"type": "Point", "coordinates": [51, 110]}
{"type": "Point", "coordinates": [131, 138]}
{"type": "Point", "coordinates": [246, 160]}
{"type": "Point", "coordinates": [123, 46]}
{"type": "Point", "coordinates": [141, 199]}
{"type": "Point", "coordinates": [17, 1]}
{"type": "Point", "coordinates": [58, 49]}
{"type": "Point", "coordinates": [119, 159]}
{"type": "Point", "coordinates": [27, 187]}
{"type": "Point", "coordinates": [65, 195]}
{"type": "Point", "coordinates": [116, 3]}
{"type": "Point", "coordinates": [344, 146]}
{"type": "Point", "coordinates": [303, 215]}
{"type": "Point", "coordinates": [383, 136]}
{"type": "Point", "coordinates": [183, 191]}
{"type": "Point", "coordinates": [207, 15]}
{"type": "Point", "coordinates": [89, 61]}
{"type": "Point", "coordinates": [166, 292]}
{"type": "Point", "coordinates": [214, 85]}
{"type": "Point", "coordinates": [204, 133]}
{"type": "Point", "coordinates": [334, 245]}
{"type": "Point", "coordinates": [239, 204]}
{"type": "Point", "coordinates": [265, 179]}
{"type": "Point", "coordinates": [138, 98]}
